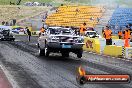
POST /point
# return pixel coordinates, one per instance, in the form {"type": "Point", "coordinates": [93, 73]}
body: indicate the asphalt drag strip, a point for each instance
{"type": "Point", "coordinates": [31, 71]}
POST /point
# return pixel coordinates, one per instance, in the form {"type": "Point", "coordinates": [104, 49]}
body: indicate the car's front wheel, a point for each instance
{"type": "Point", "coordinates": [79, 53]}
{"type": "Point", "coordinates": [41, 52]}
{"type": "Point", "coordinates": [47, 51]}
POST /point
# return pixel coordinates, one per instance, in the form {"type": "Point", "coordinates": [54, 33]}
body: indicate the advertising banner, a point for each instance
{"type": "Point", "coordinates": [92, 44]}
{"type": "Point", "coordinates": [20, 29]}
{"type": "Point", "coordinates": [15, 29]}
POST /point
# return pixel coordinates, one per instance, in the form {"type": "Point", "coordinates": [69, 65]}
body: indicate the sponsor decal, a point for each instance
{"type": "Point", "coordinates": [89, 44]}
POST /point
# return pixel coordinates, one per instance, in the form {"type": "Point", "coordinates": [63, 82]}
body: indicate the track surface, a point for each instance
{"type": "Point", "coordinates": [29, 70]}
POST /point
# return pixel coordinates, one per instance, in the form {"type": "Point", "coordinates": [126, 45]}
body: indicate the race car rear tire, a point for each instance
{"type": "Point", "coordinates": [79, 53]}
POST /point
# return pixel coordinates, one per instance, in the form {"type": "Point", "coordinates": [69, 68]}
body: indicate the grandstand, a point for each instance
{"type": "Point", "coordinates": [121, 17]}
{"type": "Point", "coordinates": [75, 16]}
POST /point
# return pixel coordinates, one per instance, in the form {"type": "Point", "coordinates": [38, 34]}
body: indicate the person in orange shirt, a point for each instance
{"type": "Point", "coordinates": [42, 30]}
{"type": "Point", "coordinates": [127, 35]}
{"type": "Point", "coordinates": [83, 29]}
{"type": "Point", "coordinates": [120, 34]}
{"type": "Point", "coordinates": [108, 35]}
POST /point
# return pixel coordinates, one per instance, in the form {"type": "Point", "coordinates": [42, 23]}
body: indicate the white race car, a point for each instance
{"type": "Point", "coordinates": [92, 34]}
{"type": "Point", "coordinates": [61, 40]}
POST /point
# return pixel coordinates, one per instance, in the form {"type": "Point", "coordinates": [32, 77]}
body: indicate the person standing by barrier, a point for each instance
{"type": "Point", "coordinates": [108, 35]}
{"type": "Point", "coordinates": [29, 34]}
{"type": "Point", "coordinates": [25, 30]}
{"type": "Point", "coordinates": [120, 34]}
{"type": "Point", "coordinates": [127, 35]}
{"type": "Point", "coordinates": [14, 22]}
{"type": "Point", "coordinates": [83, 29]}
{"type": "Point", "coordinates": [42, 30]}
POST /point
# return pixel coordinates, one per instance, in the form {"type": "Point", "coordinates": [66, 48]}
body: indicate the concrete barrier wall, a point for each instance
{"type": "Point", "coordinates": [118, 42]}
{"type": "Point", "coordinates": [102, 42]}
{"type": "Point", "coordinates": [113, 50]}
{"type": "Point", "coordinates": [99, 46]}
{"type": "Point", "coordinates": [115, 37]}
{"type": "Point", "coordinates": [91, 44]}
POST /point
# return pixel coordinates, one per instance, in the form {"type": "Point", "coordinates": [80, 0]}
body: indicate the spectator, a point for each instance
{"type": "Point", "coordinates": [120, 34]}
{"type": "Point", "coordinates": [108, 35]}
{"type": "Point", "coordinates": [77, 10]}
{"type": "Point", "coordinates": [10, 23]}
{"type": "Point", "coordinates": [29, 33]}
{"type": "Point", "coordinates": [6, 24]}
{"type": "Point", "coordinates": [98, 19]}
{"type": "Point", "coordinates": [83, 29]}
{"type": "Point", "coordinates": [14, 22]}
{"type": "Point", "coordinates": [127, 35]}
{"type": "Point", "coordinates": [61, 4]}
{"type": "Point", "coordinates": [92, 18]}
{"type": "Point", "coordinates": [42, 30]}
{"type": "Point", "coordinates": [3, 22]}
{"type": "Point", "coordinates": [25, 30]}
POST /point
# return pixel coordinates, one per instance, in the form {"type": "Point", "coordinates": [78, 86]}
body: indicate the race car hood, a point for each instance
{"type": "Point", "coordinates": [67, 38]}
{"type": "Point", "coordinates": [64, 36]}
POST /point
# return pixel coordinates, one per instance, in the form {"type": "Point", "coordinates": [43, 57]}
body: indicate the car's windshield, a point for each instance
{"type": "Point", "coordinates": [5, 32]}
{"type": "Point", "coordinates": [60, 31]}
{"type": "Point", "coordinates": [91, 33]}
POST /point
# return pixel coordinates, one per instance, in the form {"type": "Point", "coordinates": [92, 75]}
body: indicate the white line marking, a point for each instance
{"type": "Point", "coordinates": [119, 58]}
{"type": "Point", "coordinates": [9, 76]}
{"type": "Point", "coordinates": [17, 40]}
{"type": "Point", "coordinates": [108, 56]}
{"type": "Point", "coordinates": [127, 60]}
{"type": "Point", "coordinates": [123, 59]}
{"type": "Point", "coordinates": [113, 57]}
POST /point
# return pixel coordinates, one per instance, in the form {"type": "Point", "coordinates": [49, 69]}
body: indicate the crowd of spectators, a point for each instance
{"type": "Point", "coordinates": [10, 23]}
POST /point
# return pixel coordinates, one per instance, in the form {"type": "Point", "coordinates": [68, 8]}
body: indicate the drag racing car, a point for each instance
{"type": "Point", "coordinates": [60, 40]}
{"type": "Point", "coordinates": [92, 34]}
{"type": "Point", "coordinates": [6, 35]}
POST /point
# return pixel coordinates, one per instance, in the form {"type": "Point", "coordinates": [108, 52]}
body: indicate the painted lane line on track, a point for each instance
{"type": "Point", "coordinates": [9, 76]}
{"type": "Point", "coordinates": [113, 57]}
{"type": "Point", "coordinates": [17, 40]}
{"type": "Point", "coordinates": [109, 56]}
{"type": "Point", "coordinates": [123, 59]}
{"type": "Point", "coordinates": [127, 60]}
